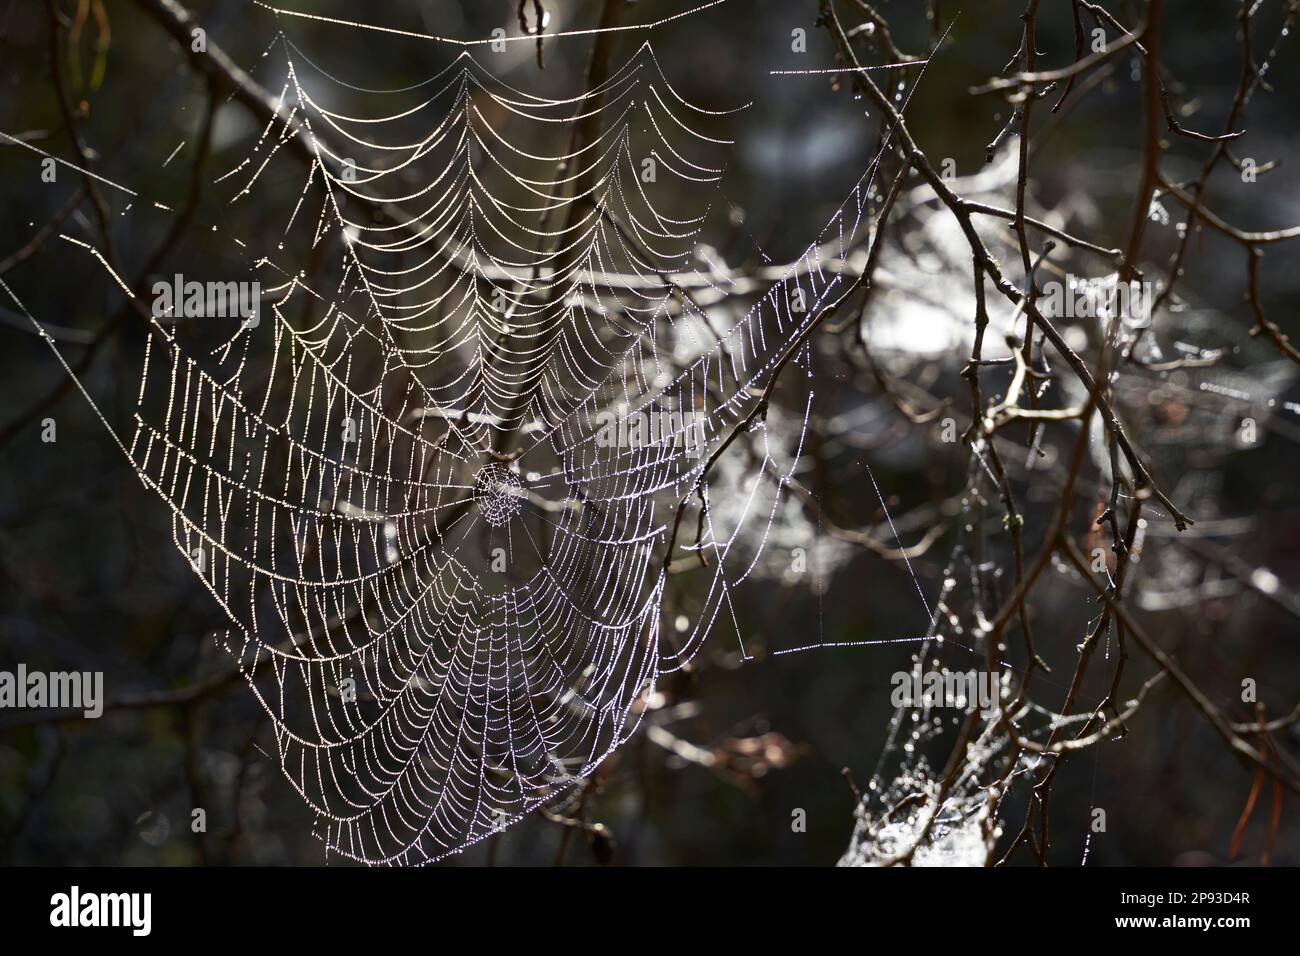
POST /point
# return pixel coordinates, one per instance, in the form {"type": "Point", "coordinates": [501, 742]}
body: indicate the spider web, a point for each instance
{"type": "Point", "coordinates": [445, 581]}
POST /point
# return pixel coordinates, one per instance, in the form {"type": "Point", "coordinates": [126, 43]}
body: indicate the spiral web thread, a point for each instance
{"type": "Point", "coordinates": [446, 630]}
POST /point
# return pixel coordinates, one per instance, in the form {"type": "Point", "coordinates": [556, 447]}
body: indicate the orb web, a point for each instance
{"type": "Point", "coordinates": [442, 491]}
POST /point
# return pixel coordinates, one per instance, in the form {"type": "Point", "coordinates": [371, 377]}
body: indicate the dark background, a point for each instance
{"type": "Point", "coordinates": [89, 581]}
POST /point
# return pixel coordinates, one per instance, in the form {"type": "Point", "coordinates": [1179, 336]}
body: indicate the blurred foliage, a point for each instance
{"type": "Point", "coordinates": [90, 581]}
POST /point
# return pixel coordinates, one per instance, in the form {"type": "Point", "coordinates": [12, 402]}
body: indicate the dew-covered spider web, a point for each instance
{"type": "Point", "coordinates": [444, 483]}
